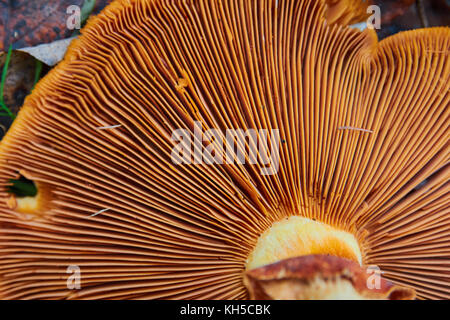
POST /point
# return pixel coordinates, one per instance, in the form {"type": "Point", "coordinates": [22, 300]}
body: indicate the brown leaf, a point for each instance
{"type": "Point", "coordinates": [403, 15]}
{"type": "Point", "coordinates": [99, 5]}
{"type": "Point", "coordinates": [390, 9]}
{"type": "Point", "coordinates": [19, 82]}
{"type": "Point", "coordinates": [25, 23]}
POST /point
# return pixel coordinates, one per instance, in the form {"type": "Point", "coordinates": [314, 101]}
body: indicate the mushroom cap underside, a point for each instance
{"type": "Point", "coordinates": [364, 148]}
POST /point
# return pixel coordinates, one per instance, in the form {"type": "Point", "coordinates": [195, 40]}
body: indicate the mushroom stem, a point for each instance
{"type": "Point", "coordinates": [299, 258]}
{"type": "Point", "coordinates": [321, 277]}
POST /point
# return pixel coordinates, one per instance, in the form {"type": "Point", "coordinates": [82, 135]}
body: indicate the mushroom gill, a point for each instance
{"type": "Point", "coordinates": [363, 156]}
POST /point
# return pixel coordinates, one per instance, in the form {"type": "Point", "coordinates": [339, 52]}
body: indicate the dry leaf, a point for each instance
{"type": "Point", "coordinates": [49, 53]}
{"type": "Point", "coordinates": [403, 15]}
{"type": "Point", "coordinates": [25, 23]}
{"type": "Point", "coordinates": [19, 82]}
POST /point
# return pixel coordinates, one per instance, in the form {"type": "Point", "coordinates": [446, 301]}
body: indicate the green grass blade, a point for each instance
{"type": "Point", "coordinates": [37, 73]}
{"type": "Point", "coordinates": [2, 84]}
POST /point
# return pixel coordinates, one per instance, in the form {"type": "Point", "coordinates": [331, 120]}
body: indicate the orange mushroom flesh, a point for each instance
{"type": "Point", "coordinates": [363, 160]}
{"type": "Point", "coordinates": [297, 236]}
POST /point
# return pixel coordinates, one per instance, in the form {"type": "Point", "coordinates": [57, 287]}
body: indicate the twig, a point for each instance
{"type": "Point", "coordinates": [101, 211]}
{"type": "Point", "coordinates": [355, 129]}
{"type": "Point", "coordinates": [109, 127]}
{"type": "Point", "coordinates": [422, 14]}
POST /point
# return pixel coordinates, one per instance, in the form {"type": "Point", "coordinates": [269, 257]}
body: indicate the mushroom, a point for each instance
{"type": "Point", "coordinates": [361, 129]}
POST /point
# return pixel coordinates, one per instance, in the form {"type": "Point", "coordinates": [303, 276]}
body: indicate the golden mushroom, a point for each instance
{"type": "Point", "coordinates": [357, 135]}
